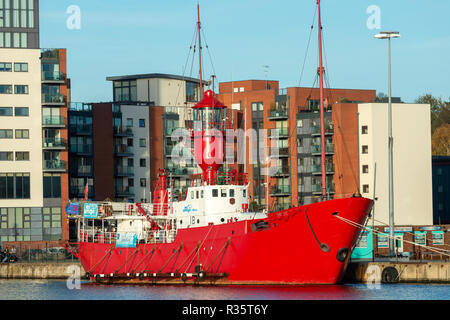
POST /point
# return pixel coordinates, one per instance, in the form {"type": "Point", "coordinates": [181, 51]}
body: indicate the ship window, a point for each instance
{"type": "Point", "coordinates": [231, 193]}
{"type": "Point", "coordinates": [215, 193]}
{"type": "Point", "coordinates": [202, 194]}
{"type": "Point", "coordinates": [223, 193]}
{"type": "Point", "coordinates": [244, 193]}
{"type": "Point", "coordinates": [192, 194]}
{"type": "Point", "coordinates": [197, 194]}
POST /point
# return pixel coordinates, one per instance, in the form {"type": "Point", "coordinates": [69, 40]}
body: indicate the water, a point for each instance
{"type": "Point", "coordinates": [58, 290]}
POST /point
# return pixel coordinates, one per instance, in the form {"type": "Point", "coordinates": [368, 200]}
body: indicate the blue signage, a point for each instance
{"type": "Point", "coordinates": [188, 209]}
{"type": "Point", "coordinates": [90, 211]}
{"type": "Point", "coordinates": [72, 208]}
{"type": "Point", "coordinates": [126, 240]}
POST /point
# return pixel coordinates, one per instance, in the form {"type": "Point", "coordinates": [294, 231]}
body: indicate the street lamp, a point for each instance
{"type": "Point", "coordinates": [388, 35]}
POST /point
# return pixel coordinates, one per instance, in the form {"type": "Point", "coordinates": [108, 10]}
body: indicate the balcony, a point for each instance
{"type": "Point", "coordinates": [281, 153]}
{"type": "Point", "coordinates": [78, 192]}
{"type": "Point", "coordinates": [54, 166]}
{"type": "Point", "coordinates": [280, 133]}
{"type": "Point", "coordinates": [123, 192]}
{"type": "Point", "coordinates": [278, 114]}
{"type": "Point", "coordinates": [317, 188]}
{"type": "Point", "coordinates": [81, 149]}
{"type": "Point", "coordinates": [280, 191]}
{"type": "Point", "coordinates": [81, 171]}
{"type": "Point", "coordinates": [123, 151]}
{"type": "Point", "coordinates": [53, 77]}
{"type": "Point", "coordinates": [53, 121]}
{"type": "Point", "coordinates": [316, 150]}
{"type": "Point", "coordinates": [121, 131]}
{"type": "Point", "coordinates": [179, 171]}
{"type": "Point", "coordinates": [124, 171]}
{"type": "Point", "coordinates": [317, 169]}
{"type": "Point", "coordinates": [53, 100]}
{"type": "Point", "coordinates": [315, 130]}
{"type": "Point", "coordinates": [280, 171]}
{"type": "Point", "coordinates": [80, 129]}
{"type": "Point", "coordinates": [54, 144]}
{"type": "Point", "coordinates": [50, 55]}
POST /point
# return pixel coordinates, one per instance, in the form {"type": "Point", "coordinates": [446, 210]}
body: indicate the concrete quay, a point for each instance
{"type": "Point", "coordinates": [399, 272]}
{"type": "Point", "coordinates": [48, 270]}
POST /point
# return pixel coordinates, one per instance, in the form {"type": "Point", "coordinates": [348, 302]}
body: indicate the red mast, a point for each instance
{"type": "Point", "coordinates": [200, 51]}
{"type": "Point", "coordinates": [321, 70]}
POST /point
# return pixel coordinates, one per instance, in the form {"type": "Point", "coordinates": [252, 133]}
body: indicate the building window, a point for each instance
{"type": "Point", "coordinates": [6, 134]}
{"type": "Point", "coordinates": [20, 67]}
{"type": "Point", "coordinates": [142, 123]}
{"type": "Point", "coordinates": [20, 89]}
{"type": "Point", "coordinates": [5, 66]}
{"type": "Point", "coordinates": [142, 143]}
{"type": "Point", "coordinates": [382, 241]}
{"type": "Point", "coordinates": [5, 89]}
{"type": "Point", "coordinates": [257, 106]}
{"type": "Point", "coordinates": [364, 130]}
{"type": "Point", "coordinates": [192, 91]}
{"type": "Point", "coordinates": [142, 163]}
{"type": "Point", "coordinates": [215, 193]}
{"type": "Point", "coordinates": [5, 111]}
{"type": "Point", "coordinates": [130, 122]}
{"type": "Point", "coordinates": [14, 185]}
{"type": "Point", "coordinates": [125, 91]}
{"type": "Point", "coordinates": [21, 111]}
{"type": "Point", "coordinates": [365, 168]}
{"type": "Point", "coordinates": [6, 156]}
{"type": "Point", "coordinates": [440, 188]}
{"type": "Point", "coordinates": [143, 182]}
{"type": "Point", "coordinates": [365, 149]}
{"type": "Point", "coordinates": [22, 156]}
{"type": "Point", "coordinates": [52, 185]}
{"type": "Point", "coordinates": [365, 188]}
{"type": "Point", "coordinates": [22, 134]}
{"type": "Point", "coordinates": [420, 237]}
{"type": "Point", "coordinates": [438, 237]}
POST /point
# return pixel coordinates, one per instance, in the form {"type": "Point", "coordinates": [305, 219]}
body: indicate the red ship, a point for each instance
{"type": "Point", "coordinates": [210, 237]}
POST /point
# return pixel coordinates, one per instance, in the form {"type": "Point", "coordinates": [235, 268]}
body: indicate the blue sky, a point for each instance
{"type": "Point", "coordinates": [119, 37]}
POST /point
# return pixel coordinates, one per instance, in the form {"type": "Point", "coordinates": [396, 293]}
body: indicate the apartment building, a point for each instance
{"type": "Point", "coordinates": [33, 98]}
{"type": "Point", "coordinates": [290, 119]}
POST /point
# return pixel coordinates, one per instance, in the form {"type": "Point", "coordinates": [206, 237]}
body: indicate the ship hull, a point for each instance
{"type": "Point", "coordinates": [305, 245]}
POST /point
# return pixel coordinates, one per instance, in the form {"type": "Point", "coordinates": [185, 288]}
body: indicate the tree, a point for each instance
{"type": "Point", "coordinates": [440, 110]}
{"type": "Point", "coordinates": [440, 141]}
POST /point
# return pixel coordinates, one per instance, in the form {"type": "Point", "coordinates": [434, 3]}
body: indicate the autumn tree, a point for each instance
{"type": "Point", "coordinates": [440, 110]}
{"type": "Point", "coordinates": [440, 141]}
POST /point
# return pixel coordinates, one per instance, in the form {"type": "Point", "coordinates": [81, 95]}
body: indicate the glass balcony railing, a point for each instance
{"type": "Point", "coordinates": [317, 188]}
{"type": "Point", "coordinates": [53, 120]}
{"type": "Point", "coordinates": [54, 165]}
{"type": "Point", "coordinates": [53, 76]}
{"type": "Point", "coordinates": [179, 171]}
{"type": "Point", "coordinates": [278, 113]}
{"type": "Point", "coordinates": [84, 170]}
{"type": "Point", "coordinates": [317, 168]}
{"type": "Point", "coordinates": [280, 190]}
{"type": "Point", "coordinates": [81, 148]}
{"type": "Point", "coordinates": [123, 150]}
{"type": "Point", "coordinates": [78, 191]}
{"type": "Point", "coordinates": [124, 191]}
{"type": "Point", "coordinates": [279, 133]}
{"type": "Point", "coordinates": [124, 171]}
{"type": "Point", "coordinates": [54, 98]}
{"type": "Point", "coordinates": [80, 129]}
{"type": "Point", "coordinates": [123, 131]}
{"type": "Point", "coordinates": [282, 170]}
{"type": "Point", "coordinates": [316, 129]}
{"type": "Point", "coordinates": [279, 152]}
{"type": "Point", "coordinates": [329, 148]}
{"type": "Point", "coordinates": [57, 143]}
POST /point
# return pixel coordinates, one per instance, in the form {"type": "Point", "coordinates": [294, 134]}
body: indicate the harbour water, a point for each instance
{"type": "Point", "coordinates": [58, 290]}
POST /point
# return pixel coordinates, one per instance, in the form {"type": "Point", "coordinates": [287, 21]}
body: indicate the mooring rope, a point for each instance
{"type": "Point", "coordinates": [359, 226]}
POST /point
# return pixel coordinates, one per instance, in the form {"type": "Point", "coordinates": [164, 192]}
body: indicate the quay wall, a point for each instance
{"type": "Point", "coordinates": [59, 270]}
{"type": "Point", "coordinates": [406, 272]}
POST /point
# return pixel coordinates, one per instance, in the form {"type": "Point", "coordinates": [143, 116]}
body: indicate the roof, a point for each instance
{"type": "Point", "coordinates": [154, 76]}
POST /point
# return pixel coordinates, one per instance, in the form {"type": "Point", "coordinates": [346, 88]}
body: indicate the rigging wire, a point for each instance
{"type": "Point", "coordinates": [307, 47]}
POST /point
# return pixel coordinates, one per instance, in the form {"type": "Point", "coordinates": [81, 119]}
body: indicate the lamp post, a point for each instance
{"type": "Point", "coordinates": [388, 35]}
